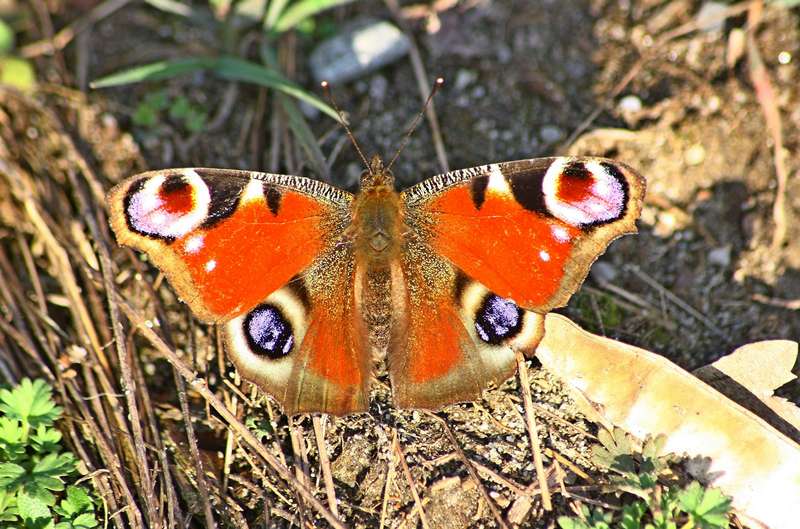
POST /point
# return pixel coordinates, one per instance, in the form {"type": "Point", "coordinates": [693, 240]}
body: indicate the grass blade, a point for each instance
{"type": "Point", "coordinates": [154, 71]}
{"type": "Point", "coordinates": [236, 69]}
{"type": "Point", "coordinates": [302, 10]}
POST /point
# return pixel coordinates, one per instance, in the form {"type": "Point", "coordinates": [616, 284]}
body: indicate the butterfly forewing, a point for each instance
{"type": "Point", "coordinates": [226, 239]}
{"type": "Point", "coordinates": [528, 230]}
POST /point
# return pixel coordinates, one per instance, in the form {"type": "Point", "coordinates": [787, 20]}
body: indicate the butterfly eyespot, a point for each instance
{"type": "Point", "coordinates": [585, 193]}
{"type": "Point", "coordinates": [167, 207]}
{"type": "Point", "coordinates": [498, 319]}
{"type": "Point", "coordinates": [268, 332]}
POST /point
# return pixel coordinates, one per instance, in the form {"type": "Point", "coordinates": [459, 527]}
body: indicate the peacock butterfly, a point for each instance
{"type": "Point", "coordinates": [447, 279]}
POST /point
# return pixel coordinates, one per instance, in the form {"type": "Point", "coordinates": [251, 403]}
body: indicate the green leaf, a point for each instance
{"type": "Point", "coordinates": [8, 505]}
{"type": "Point", "coordinates": [632, 515]}
{"type": "Point", "coordinates": [568, 522]}
{"type": "Point", "coordinates": [86, 520]}
{"type": "Point", "coordinates": [154, 71]}
{"type": "Point", "coordinates": [12, 445]}
{"type": "Point", "coordinates": [6, 38]}
{"type": "Point", "coordinates": [34, 512]}
{"type": "Point", "coordinates": [302, 10]}
{"type": "Point", "coordinates": [45, 439]}
{"type": "Point", "coordinates": [11, 476]}
{"type": "Point", "coordinates": [77, 501]}
{"type": "Point", "coordinates": [274, 11]}
{"type": "Point", "coordinates": [235, 69]}
{"type": "Point", "coordinates": [17, 72]}
{"type": "Point", "coordinates": [708, 508]}
{"type": "Point", "coordinates": [31, 403]}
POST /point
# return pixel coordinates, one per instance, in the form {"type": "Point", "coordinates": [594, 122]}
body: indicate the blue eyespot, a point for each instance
{"type": "Point", "coordinates": [268, 332]}
{"type": "Point", "coordinates": [498, 319]}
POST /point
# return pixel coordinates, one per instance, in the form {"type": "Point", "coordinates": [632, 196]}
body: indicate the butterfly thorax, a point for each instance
{"type": "Point", "coordinates": [376, 220]}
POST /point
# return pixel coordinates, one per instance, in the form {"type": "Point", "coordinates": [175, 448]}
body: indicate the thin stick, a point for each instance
{"type": "Point", "coordinates": [200, 386]}
{"type": "Point", "coordinates": [329, 94]}
{"type": "Point", "coordinates": [524, 385]}
{"type": "Point", "coordinates": [325, 463]}
{"type": "Point", "coordinates": [389, 482]}
{"type": "Point", "coordinates": [453, 441]}
{"type": "Point", "coordinates": [410, 479]}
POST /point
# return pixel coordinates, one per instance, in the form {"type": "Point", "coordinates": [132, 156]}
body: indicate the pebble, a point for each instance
{"type": "Point", "coordinates": [630, 105]}
{"type": "Point", "coordinates": [367, 46]}
{"type": "Point", "coordinates": [711, 16]}
{"type": "Point", "coordinates": [604, 272]}
{"type": "Point", "coordinates": [720, 256]}
{"type": "Point", "coordinates": [378, 87]}
{"type": "Point", "coordinates": [550, 133]}
{"type": "Point", "coordinates": [695, 155]}
{"type": "Point", "coordinates": [464, 78]}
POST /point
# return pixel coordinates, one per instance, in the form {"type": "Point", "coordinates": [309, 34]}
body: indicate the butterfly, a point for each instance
{"type": "Point", "coordinates": [311, 284]}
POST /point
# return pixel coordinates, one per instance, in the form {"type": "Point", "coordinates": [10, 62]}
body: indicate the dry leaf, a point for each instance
{"type": "Point", "coordinates": [647, 395]}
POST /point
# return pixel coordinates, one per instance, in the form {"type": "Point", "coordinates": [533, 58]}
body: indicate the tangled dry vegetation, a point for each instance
{"type": "Point", "coordinates": [171, 437]}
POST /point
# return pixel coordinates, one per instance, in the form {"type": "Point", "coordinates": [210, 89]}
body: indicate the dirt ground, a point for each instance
{"type": "Point", "coordinates": [667, 94]}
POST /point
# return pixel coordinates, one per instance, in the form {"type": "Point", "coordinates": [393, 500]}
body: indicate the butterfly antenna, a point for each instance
{"type": "Point", "coordinates": [436, 86]}
{"type": "Point", "coordinates": [327, 89]}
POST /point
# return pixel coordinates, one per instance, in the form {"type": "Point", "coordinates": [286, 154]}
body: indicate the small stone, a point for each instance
{"type": "Point", "coordinates": [630, 105]}
{"type": "Point", "coordinates": [378, 86]}
{"type": "Point", "coordinates": [464, 78]}
{"type": "Point", "coordinates": [309, 111]}
{"type": "Point", "coordinates": [604, 272]}
{"type": "Point", "coordinates": [695, 155]}
{"type": "Point", "coordinates": [550, 133]}
{"type": "Point", "coordinates": [366, 46]}
{"type": "Point", "coordinates": [711, 16]}
{"type": "Point", "coordinates": [720, 256]}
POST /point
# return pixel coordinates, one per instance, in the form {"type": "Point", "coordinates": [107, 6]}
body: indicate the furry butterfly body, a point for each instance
{"type": "Point", "coordinates": [446, 279]}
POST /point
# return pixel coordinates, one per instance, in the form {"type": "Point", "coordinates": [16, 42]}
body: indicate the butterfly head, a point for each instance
{"type": "Point", "coordinates": [377, 175]}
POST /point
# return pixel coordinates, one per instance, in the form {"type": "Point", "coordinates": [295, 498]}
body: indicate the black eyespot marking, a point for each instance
{"type": "Point", "coordinates": [460, 284]}
{"type": "Point", "coordinates": [173, 184]}
{"type": "Point", "coordinates": [526, 186]}
{"type": "Point", "coordinates": [498, 319]}
{"type": "Point", "coordinates": [577, 170]}
{"type": "Point", "coordinates": [268, 332]}
{"type": "Point", "coordinates": [478, 190]}
{"type": "Point", "coordinates": [273, 196]}
{"type": "Point", "coordinates": [225, 194]}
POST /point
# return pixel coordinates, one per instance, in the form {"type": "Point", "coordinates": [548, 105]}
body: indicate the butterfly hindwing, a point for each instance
{"type": "Point", "coordinates": [457, 336]}
{"type": "Point", "coordinates": [226, 239]}
{"type": "Point", "coordinates": [305, 344]}
{"type": "Point", "coordinates": [529, 230]}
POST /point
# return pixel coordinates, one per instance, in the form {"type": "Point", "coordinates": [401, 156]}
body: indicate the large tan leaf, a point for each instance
{"type": "Point", "coordinates": [646, 394]}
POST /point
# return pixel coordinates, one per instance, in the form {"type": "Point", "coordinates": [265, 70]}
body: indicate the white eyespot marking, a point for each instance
{"type": "Point", "coordinates": [544, 256]}
{"type": "Point", "coordinates": [210, 265]}
{"type": "Point", "coordinates": [253, 191]}
{"type": "Point", "coordinates": [603, 196]}
{"type": "Point", "coordinates": [560, 233]}
{"type": "Point", "coordinates": [497, 182]}
{"type": "Point", "coordinates": [194, 244]}
{"type": "Point", "coordinates": [149, 212]}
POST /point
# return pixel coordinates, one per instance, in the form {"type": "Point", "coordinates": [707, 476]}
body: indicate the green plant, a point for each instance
{"type": "Point", "coordinates": [659, 501]}
{"type": "Point", "coordinates": [149, 112]}
{"type": "Point", "coordinates": [279, 16]}
{"type": "Point", "coordinates": [14, 71]}
{"type": "Point", "coordinates": [33, 469]}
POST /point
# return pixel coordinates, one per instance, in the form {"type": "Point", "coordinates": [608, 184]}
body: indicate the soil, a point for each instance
{"type": "Point", "coordinates": [702, 277]}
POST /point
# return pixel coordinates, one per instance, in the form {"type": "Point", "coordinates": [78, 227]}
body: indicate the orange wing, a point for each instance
{"type": "Point", "coordinates": [305, 344]}
{"type": "Point", "coordinates": [453, 337]}
{"type": "Point", "coordinates": [528, 230]}
{"type": "Point", "coordinates": [226, 239]}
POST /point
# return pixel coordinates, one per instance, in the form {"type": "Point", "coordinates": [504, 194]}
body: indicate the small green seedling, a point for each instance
{"type": "Point", "coordinates": [656, 499]}
{"type": "Point", "coordinates": [34, 471]}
